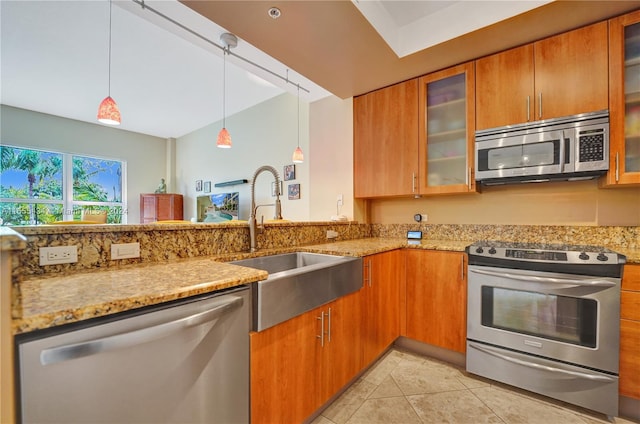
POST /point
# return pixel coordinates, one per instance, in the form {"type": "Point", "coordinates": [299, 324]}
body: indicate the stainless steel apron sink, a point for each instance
{"type": "Point", "coordinates": [299, 282]}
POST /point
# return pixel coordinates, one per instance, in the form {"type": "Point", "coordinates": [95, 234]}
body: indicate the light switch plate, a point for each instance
{"type": "Point", "coordinates": [125, 251]}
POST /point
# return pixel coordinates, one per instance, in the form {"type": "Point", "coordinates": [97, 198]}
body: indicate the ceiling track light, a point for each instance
{"type": "Point", "coordinates": [228, 41]}
{"type": "Point", "coordinates": [108, 111]}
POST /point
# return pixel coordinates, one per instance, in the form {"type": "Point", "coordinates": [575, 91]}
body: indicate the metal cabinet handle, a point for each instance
{"type": "Point", "coordinates": [321, 336]}
{"type": "Point", "coordinates": [617, 166]}
{"type": "Point", "coordinates": [541, 367]}
{"type": "Point", "coordinates": [413, 182]}
{"type": "Point", "coordinates": [528, 108]}
{"type": "Point", "coordinates": [329, 327]}
{"type": "Point", "coordinates": [540, 105]}
{"type": "Point", "coordinates": [132, 338]}
{"type": "Point", "coordinates": [537, 279]}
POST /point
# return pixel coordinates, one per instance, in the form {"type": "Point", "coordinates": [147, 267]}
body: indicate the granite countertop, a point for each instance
{"type": "Point", "coordinates": [45, 302]}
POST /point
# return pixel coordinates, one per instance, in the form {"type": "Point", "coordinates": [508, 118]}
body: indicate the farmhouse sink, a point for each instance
{"type": "Point", "coordinates": [299, 282]}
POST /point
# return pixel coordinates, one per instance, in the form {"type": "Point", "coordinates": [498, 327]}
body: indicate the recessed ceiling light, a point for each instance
{"type": "Point", "coordinates": [274, 12]}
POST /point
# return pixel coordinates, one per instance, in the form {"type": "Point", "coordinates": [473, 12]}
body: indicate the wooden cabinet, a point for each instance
{"type": "Point", "coordinates": [385, 129]}
{"type": "Point", "coordinates": [160, 207]}
{"type": "Point", "coordinates": [437, 298]}
{"type": "Point", "coordinates": [630, 332]}
{"type": "Point", "coordinates": [559, 76]}
{"type": "Point", "coordinates": [384, 275]}
{"type": "Point", "coordinates": [624, 100]}
{"type": "Point", "coordinates": [447, 131]}
{"type": "Point", "coordinates": [296, 366]}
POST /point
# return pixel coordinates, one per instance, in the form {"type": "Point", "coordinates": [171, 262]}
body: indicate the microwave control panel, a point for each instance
{"type": "Point", "coordinates": [591, 145]}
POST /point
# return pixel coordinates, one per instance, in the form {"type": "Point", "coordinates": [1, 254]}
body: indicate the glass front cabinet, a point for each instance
{"type": "Point", "coordinates": [447, 127]}
{"type": "Point", "coordinates": [624, 100]}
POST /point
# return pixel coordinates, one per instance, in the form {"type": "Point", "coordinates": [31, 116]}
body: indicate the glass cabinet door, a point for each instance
{"type": "Point", "coordinates": [632, 97]}
{"type": "Point", "coordinates": [447, 131]}
{"type": "Point", "coordinates": [624, 100]}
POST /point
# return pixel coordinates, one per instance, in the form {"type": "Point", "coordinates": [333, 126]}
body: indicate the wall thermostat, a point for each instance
{"type": "Point", "coordinates": [414, 235]}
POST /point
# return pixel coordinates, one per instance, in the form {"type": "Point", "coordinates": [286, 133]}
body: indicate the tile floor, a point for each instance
{"type": "Point", "coordinates": [406, 388]}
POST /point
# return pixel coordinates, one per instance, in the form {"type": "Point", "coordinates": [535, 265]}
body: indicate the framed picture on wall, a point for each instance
{"type": "Point", "coordinates": [294, 191]}
{"type": "Point", "coordinates": [198, 185]}
{"type": "Point", "coordinates": [289, 172]}
{"type": "Point", "coordinates": [207, 186]}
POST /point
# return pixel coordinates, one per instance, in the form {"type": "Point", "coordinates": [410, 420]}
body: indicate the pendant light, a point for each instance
{"type": "Point", "coordinates": [298, 156]}
{"type": "Point", "coordinates": [228, 41]}
{"type": "Point", "coordinates": [108, 112]}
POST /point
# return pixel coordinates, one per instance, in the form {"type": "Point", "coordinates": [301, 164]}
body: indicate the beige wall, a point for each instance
{"type": "Point", "coordinates": [561, 203]}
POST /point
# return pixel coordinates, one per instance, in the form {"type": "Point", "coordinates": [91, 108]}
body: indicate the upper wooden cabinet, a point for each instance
{"type": "Point", "coordinates": [385, 128]}
{"type": "Point", "coordinates": [624, 100]}
{"type": "Point", "coordinates": [160, 207]}
{"type": "Point", "coordinates": [559, 76]}
{"type": "Point", "coordinates": [447, 129]}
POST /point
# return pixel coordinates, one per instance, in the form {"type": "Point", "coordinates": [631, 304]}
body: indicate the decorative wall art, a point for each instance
{"type": "Point", "coordinates": [294, 191]}
{"type": "Point", "coordinates": [207, 186]}
{"type": "Point", "coordinates": [289, 172]}
{"type": "Point", "coordinates": [198, 185]}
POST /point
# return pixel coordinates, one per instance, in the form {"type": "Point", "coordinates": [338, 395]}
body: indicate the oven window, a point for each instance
{"type": "Point", "coordinates": [567, 319]}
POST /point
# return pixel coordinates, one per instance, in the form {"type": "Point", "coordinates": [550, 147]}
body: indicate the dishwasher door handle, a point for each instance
{"type": "Point", "coordinates": [123, 340]}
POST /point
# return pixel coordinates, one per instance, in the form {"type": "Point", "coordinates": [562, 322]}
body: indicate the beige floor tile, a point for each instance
{"type": "Point", "coordinates": [426, 377]}
{"type": "Point", "coordinates": [342, 408]}
{"type": "Point", "coordinates": [388, 388]}
{"type": "Point", "coordinates": [452, 407]}
{"type": "Point", "coordinates": [514, 408]}
{"type": "Point", "coordinates": [383, 367]}
{"type": "Point", "coordinates": [322, 420]}
{"type": "Point", "coordinates": [395, 410]}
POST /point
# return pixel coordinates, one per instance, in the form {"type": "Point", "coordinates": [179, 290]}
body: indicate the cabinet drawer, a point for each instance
{"type": "Point", "coordinates": [630, 305]}
{"type": "Point", "coordinates": [631, 278]}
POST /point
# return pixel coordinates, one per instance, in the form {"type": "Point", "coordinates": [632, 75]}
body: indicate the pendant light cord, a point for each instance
{"type": "Point", "coordinates": [109, 90]}
{"type": "Point", "coordinates": [298, 114]}
{"type": "Point", "coordinates": [224, 86]}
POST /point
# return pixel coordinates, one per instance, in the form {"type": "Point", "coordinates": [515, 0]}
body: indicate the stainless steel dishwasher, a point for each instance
{"type": "Point", "coordinates": [186, 362]}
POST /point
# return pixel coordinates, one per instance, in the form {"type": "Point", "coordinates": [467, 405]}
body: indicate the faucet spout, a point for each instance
{"type": "Point", "coordinates": [253, 224]}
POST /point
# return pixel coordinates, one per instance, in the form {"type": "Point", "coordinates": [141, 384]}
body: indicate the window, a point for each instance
{"type": "Point", "coordinates": [41, 187]}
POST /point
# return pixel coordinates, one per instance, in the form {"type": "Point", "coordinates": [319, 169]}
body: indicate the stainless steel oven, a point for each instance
{"type": "Point", "coordinates": [546, 318]}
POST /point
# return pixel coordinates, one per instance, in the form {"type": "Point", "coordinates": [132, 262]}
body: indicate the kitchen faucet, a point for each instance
{"type": "Point", "coordinates": [253, 224]}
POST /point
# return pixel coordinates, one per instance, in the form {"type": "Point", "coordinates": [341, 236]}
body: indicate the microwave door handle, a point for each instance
{"type": "Point", "coordinates": [542, 367]}
{"type": "Point", "coordinates": [550, 280]}
{"type": "Point", "coordinates": [563, 140]}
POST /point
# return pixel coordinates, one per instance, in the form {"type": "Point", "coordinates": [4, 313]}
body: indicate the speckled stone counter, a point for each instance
{"type": "Point", "coordinates": [53, 301]}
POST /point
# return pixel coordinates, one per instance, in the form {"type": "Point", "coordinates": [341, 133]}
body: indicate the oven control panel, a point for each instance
{"type": "Point", "coordinates": [544, 253]}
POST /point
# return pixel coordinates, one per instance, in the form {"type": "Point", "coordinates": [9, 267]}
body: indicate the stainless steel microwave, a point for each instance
{"type": "Point", "coordinates": [569, 148]}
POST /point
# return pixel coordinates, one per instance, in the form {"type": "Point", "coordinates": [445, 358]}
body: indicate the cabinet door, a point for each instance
{"type": "Point", "coordinates": [386, 141]}
{"type": "Point", "coordinates": [630, 332]}
{"type": "Point", "coordinates": [437, 298]}
{"type": "Point", "coordinates": [383, 277]}
{"type": "Point", "coordinates": [447, 131]}
{"type": "Point", "coordinates": [571, 72]}
{"type": "Point", "coordinates": [624, 100]}
{"type": "Point", "coordinates": [284, 370]}
{"type": "Point", "coordinates": [341, 355]}
{"type": "Point", "coordinates": [148, 208]}
{"type": "Point", "coordinates": [504, 88]}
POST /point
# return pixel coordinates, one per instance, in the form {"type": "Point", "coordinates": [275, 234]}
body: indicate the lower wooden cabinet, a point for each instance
{"type": "Point", "coordinates": [630, 333]}
{"type": "Point", "coordinates": [384, 275]}
{"type": "Point", "coordinates": [437, 298]}
{"type": "Point", "coordinates": [298, 365]}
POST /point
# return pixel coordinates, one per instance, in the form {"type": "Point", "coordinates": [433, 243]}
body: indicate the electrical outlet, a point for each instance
{"type": "Point", "coordinates": [332, 234]}
{"type": "Point", "coordinates": [425, 217]}
{"type": "Point", "coordinates": [58, 255]}
{"type": "Point", "coordinates": [125, 251]}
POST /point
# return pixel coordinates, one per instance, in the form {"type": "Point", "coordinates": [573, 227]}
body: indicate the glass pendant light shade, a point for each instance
{"type": "Point", "coordinates": [298, 156]}
{"type": "Point", "coordinates": [224, 139]}
{"type": "Point", "coordinates": [108, 112]}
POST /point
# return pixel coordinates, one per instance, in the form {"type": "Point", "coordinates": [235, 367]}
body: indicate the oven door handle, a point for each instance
{"type": "Point", "coordinates": [542, 367]}
{"type": "Point", "coordinates": [552, 280]}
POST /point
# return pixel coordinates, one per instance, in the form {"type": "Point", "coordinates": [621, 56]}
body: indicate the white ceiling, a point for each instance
{"type": "Point", "coordinates": [168, 82]}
